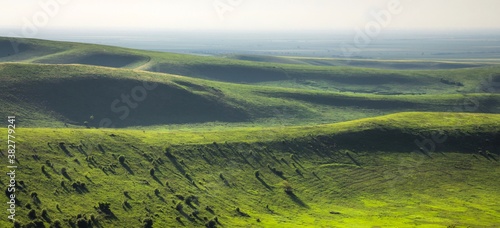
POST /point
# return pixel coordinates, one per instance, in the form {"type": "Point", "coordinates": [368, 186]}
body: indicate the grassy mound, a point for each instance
{"type": "Point", "coordinates": [377, 64]}
{"type": "Point", "coordinates": [51, 95]}
{"type": "Point", "coordinates": [97, 59]}
{"type": "Point", "coordinates": [288, 177]}
{"type": "Point", "coordinates": [364, 76]}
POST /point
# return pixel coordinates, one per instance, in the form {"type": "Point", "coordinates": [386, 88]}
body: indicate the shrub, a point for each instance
{"type": "Point", "coordinates": [179, 206]}
{"type": "Point", "coordinates": [147, 223]}
{"type": "Point", "coordinates": [93, 218]}
{"type": "Point", "coordinates": [43, 169]}
{"type": "Point", "coordinates": [32, 214]}
{"type": "Point", "coordinates": [191, 199]}
{"type": "Point", "coordinates": [209, 209]}
{"type": "Point", "coordinates": [211, 224]}
{"type": "Point", "coordinates": [64, 172]}
{"type": "Point", "coordinates": [104, 208]}
{"type": "Point", "coordinates": [56, 224]}
{"type": "Point", "coordinates": [168, 152]}
{"type": "Point", "coordinates": [121, 159]}
{"type": "Point", "coordinates": [257, 173]}
{"type": "Point", "coordinates": [152, 171]}
{"type": "Point", "coordinates": [82, 223]}
{"type": "Point", "coordinates": [34, 195]}
{"type": "Point", "coordinates": [45, 213]}
{"type": "Point", "coordinates": [287, 187]}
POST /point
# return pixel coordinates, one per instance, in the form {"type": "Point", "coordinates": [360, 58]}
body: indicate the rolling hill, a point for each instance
{"type": "Point", "coordinates": [326, 175]}
{"type": "Point", "coordinates": [372, 77]}
{"type": "Point", "coordinates": [115, 137]}
{"type": "Point", "coordinates": [57, 94]}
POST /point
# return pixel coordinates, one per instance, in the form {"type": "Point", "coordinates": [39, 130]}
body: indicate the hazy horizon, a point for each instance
{"type": "Point", "coordinates": [244, 15]}
{"type": "Point", "coordinates": [283, 27]}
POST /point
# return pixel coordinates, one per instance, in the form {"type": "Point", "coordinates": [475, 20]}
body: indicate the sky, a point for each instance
{"type": "Point", "coordinates": [23, 16]}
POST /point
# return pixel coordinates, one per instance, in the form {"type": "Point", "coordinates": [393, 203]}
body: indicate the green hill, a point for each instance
{"type": "Point", "coordinates": [115, 137]}
{"type": "Point", "coordinates": [402, 77]}
{"type": "Point", "coordinates": [379, 64]}
{"type": "Point", "coordinates": [51, 95]}
{"type": "Point", "coordinates": [327, 175]}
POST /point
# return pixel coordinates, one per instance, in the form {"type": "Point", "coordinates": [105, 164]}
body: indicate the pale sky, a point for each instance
{"type": "Point", "coordinates": [248, 14]}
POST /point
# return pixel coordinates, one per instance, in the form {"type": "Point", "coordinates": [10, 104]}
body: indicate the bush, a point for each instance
{"type": "Point", "coordinates": [64, 172]}
{"type": "Point", "coordinates": [191, 199]}
{"type": "Point", "coordinates": [257, 173]}
{"type": "Point", "coordinates": [104, 208]}
{"type": "Point", "coordinates": [147, 223]}
{"type": "Point", "coordinates": [287, 187]}
{"type": "Point", "coordinates": [56, 224]}
{"type": "Point", "coordinates": [45, 214]}
{"type": "Point", "coordinates": [121, 159]}
{"type": "Point", "coordinates": [179, 206]}
{"type": "Point", "coordinates": [34, 195]}
{"type": "Point", "coordinates": [82, 223]}
{"type": "Point", "coordinates": [32, 214]}
{"type": "Point", "coordinates": [152, 172]}
{"type": "Point", "coordinates": [211, 224]}
{"type": "Point", "coordinates": [168, 152]}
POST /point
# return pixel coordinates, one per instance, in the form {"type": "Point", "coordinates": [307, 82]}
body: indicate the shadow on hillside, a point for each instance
{"type": "Point", "coordinates": [297, 200]}
{"type": "Point", "coordinates": [227, 73]}
{"type": "Point", "coordinates": [111, 102]}
{"type": "Point", "coordinates": [127, 167]}
{"type": "Point", "coordinates": [98, 59]}
{"type": "Point", "coordinates": [264, 183]}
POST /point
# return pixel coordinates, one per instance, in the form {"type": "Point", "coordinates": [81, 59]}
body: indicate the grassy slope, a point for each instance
{"type": "Point", "coordinates": [452, 187]}
{"type": "Point", "coordinates": [368, 63]}
{"type": "Point", "coordinates": [338, 78]}
{"type": "Point", "coordinates": [358, 177]}
{"type": "Point", "coordinates": [49, 95]}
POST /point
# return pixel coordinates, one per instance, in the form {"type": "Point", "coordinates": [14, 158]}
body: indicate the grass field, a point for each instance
{"type": "Point", "coordinates": [248, 141]}
{"type": "Point", "coordinates": [335, 181]}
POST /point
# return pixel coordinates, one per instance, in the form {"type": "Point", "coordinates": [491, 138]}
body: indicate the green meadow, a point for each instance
{"type": "Point", "coordinates": [115, 137]}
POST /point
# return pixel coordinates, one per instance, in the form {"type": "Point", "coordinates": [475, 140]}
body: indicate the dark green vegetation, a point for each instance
{"type": "Point", "coordinates": [267, 141]}
{"type": "Point", "coordinates": [50, 95]}
{"type": "Point", "coordinates": [309, 176]}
